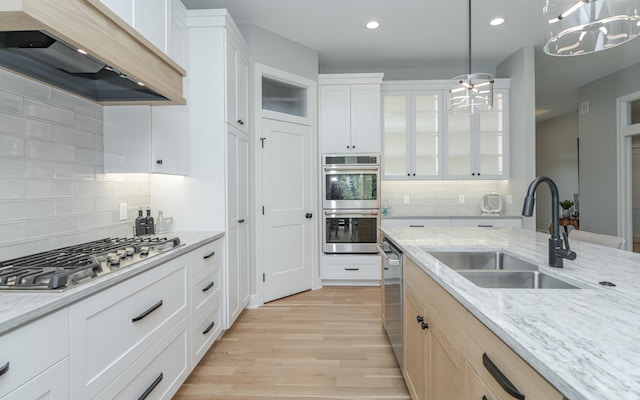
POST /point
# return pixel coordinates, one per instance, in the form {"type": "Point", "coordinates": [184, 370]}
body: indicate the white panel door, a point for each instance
{"type": "Point", "coordinates": [287, 196]}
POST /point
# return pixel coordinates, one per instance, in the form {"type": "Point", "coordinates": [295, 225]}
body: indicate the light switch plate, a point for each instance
{"type": "Point", "coordinates": [406, 199]}
{"type": "Point", "coordinates": [123, 211]}
{"type": "Point", "coordinates": [509, 199]}
{"type": "Point", "coordinates": [461, 199]}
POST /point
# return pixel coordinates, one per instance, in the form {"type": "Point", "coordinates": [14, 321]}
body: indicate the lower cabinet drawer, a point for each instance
{"type": "Point", "coordinates": [158, 374]}
{"type": "Point", "coordinates": [486, 353]}
{"type": "Point", "coordinates": [351, 267]}
{"type": "Point", "coordinates": [206, 286]}
{"type": "Point", "coordinates": [206, 329]}
{"type": "Point", "coordinates": [204, 257]}
{"type": "Point", "coordinates": [27, 351]}
{"type": "Point", "coordinates": [52, 384]}
{"type": "Point", "coordinates": [117, 326]}
{"type": "Point", "coordinates": [474, 388]}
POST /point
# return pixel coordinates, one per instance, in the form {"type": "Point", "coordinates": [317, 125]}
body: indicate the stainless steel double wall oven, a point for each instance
{"type": "Point", "coordinates": [351, 203]}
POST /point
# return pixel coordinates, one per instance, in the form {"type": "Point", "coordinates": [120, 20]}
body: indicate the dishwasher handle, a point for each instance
{"type": "Point", "coordinates": [388, 260]}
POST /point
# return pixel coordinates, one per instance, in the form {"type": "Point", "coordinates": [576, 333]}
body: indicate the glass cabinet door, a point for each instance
{"type": "Point", "coordinates": [395, 162]}
{"type": "Point", "coordinates": [427, 133]}
{"type": "Point", "coordinates": [459, 158]}
{"type": "Point", "coordinates": [490, 139]}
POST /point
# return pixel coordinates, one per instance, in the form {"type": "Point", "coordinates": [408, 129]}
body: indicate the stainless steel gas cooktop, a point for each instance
{"type": "Point", "coordinates": [67, 267]}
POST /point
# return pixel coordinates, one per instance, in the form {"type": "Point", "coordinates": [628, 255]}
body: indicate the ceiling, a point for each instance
{"type": "Point", "coordinates": [427, 39]}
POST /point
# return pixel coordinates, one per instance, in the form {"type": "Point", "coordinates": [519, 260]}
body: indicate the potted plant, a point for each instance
{"type": "Point", "coordinates": [566, 205]}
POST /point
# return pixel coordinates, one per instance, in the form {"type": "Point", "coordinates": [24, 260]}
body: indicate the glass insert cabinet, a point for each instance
{"type": "Point", "coordinates": [423, 141]}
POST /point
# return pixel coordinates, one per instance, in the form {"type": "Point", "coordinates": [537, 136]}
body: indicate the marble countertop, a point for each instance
{"type": "Point", "coordinates": [583, 341]}
{"type": "Point", "coordinates": [18, 308]}
{"type": "Point", "coordinates": [479, 215]}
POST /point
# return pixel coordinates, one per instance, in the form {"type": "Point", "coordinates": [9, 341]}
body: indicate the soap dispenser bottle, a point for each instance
{"type": "Point", "coordinates": [140, 224]}
{"type": "Point", "coordinates": [151, 227]}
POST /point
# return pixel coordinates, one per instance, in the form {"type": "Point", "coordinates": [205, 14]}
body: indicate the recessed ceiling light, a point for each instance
{"type": "Point", "coordinates": [496, 21]}
{"type": "Point", "coordinates": [373, 24]}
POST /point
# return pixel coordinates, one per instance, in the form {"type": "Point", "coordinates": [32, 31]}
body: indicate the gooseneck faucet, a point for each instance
{"type": "Point", "coordinates": [557, 252]}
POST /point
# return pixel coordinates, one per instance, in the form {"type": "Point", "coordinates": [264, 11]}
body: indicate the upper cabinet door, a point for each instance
{"type": "Point", "coordinates": [237, 88]}
{"type": "Point", "coordinates": [152, 18]}
{"type": "Point", "coordinates": [365, 118]}
{"type": "Point", "coordinates": [335, 118]}
{"type": "Point", "coordinates": [396, 125]}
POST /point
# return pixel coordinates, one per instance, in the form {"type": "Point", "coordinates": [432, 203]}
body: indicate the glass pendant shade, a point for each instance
{"type": "Point", "coordinates": [471, 93]}
{"type": "Point", "coordinates": [575, 27]}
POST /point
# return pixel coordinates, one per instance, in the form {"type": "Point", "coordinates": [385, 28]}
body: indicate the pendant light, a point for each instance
{"type": "Point", "coordinates": [471, 93]}
{"type": "Point", "coordinates": [575, 27]}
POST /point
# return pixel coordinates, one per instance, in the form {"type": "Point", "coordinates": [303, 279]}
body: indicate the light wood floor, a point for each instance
{"type": "Point", "coordinates": [323, 344]}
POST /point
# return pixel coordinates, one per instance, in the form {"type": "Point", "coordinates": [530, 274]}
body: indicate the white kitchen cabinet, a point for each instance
{"type": "Point", "coordinates": [414, 222]}
{"type": "Point", "coordinates": [237, 70]}
{"type": "Point", "coordinates": [477, 145]}
{"type": "Point", "coordinates": [115, 328]}
{"type": "Point", "coordinates": [349, 113]}
{"type": "Point", "coordinates": [350, 270]}
{"type": "Point", "coordinates": [145, 139]}
{"type": "Point", "coordinates": [35, 358]}
{"type": "Point", "coordinates": [237, 234]}
{"type": "Point", "coordinates": [151, 18]}
{"type": "Point", "coordinates": [412, 134]}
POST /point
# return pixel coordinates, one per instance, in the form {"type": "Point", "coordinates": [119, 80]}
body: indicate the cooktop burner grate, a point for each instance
{"type": "Point", "coordinates": [72, 265]}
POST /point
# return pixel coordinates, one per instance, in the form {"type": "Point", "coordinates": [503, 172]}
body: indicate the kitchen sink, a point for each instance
{"type": "Point", "coordinates": [494, 269]}
{"type": "Point", "coordinates": [515, 280]}
{"type": "Point", "coordinates": [487, 260]}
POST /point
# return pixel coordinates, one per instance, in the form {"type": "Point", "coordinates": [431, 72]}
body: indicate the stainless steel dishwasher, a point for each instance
{"type": "Point", "coordinates": [392, 273]}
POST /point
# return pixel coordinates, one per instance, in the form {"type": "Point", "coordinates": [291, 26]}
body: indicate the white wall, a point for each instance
{"type": "Point", "coordinates": [557, 158]}
{"type": "Point", "coordinates": [53, 191]}
{"type": "Point", "coordinates": [520, 67]}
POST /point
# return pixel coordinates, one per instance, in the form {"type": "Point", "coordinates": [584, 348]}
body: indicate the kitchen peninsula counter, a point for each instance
{"type": "Point", "coordinates": [18, 308]}
{"type": "Point", "coordinates": [583, 341]}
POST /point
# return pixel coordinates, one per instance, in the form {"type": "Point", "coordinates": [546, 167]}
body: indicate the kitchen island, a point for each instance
{"type": "Point", "coordinates": [583, 341]}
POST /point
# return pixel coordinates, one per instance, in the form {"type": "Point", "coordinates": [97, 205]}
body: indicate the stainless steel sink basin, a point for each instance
{"type": "Point", "coordinates": [515, 280]}
{"type": "Point", "coordinates": [494, 269]}
{"type": "Point", "coordinates": [493, 260]}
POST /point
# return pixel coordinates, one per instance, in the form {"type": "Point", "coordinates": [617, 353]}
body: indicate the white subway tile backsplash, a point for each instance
{"type": "Point", "coordinates": [21, 126]}
{"type": "Point", "coordinates": [49, 227]}
{"type": "Point", "coordinates": [73, 137]}
{"type": "Point", "coordinates": [78, 172]}
{"type": "Point", "coordinates": [49, 151]}
{"type": "Point", "coordinates": [23, 210]}
{"type": "Point", "coordinates": [12, 232]}
{"type": "Point", "coordinates": [88, 124]}
{"type": "Point", "coordinates": [52, 181]}
{"type": "Point", "coordinates": [47, 112]}
{"type": "Point", "coordinates": [95, 189]}
{"type": "Point", "coordinates": [73, 103]}
{"type": "Point", "coordinates": [93, 221]}
{"type": "Point", "coordinates": [50, 188]}
{"type": "Point", "coordinates": [10, 103]}
{"type": "Point", "coordinates": [74, 206]}
{"type": "Point", "coordinates": [24, 87]}
{"type": "Point", "coordinates": [19, 168]}
{"type": "Point", "coordinates": [11, 189]}
{"type": "Point", "coordinates": [11, 146]}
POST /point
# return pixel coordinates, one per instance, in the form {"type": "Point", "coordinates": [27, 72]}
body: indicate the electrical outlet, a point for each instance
{"type": "Point", "coordinates": [406, 199]}
{"type": "Point", "coordinates": [509, 199]}
{"type": "Point", "coordinates": [461, 199]}
{"type": "Point", "coordinates": [123, 211]}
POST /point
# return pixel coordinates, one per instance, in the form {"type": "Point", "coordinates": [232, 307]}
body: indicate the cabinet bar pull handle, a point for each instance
{"type": "Point", "coordinates": [352, 269]}
{"type": "Point", "coordinates": [484, 397]}
{"type": "Point", "coordinates": [4, 369]}
{"type": "Point", "coordinates": [502, 380]}
{"type": "Point", "coordinates": [209, 286]}
{"type": "Point", "coordinates": [241, 221]}
{"type": "Point", "coordinates": [149, 311]}
{"type": "Point", "coordinates": [211, 325]}
{"type": "Point", "coordinates": [151, 387]}
{"type": "Point", "coordinates": [485, 226]}
{"type": "Point", "coordinates": [416, 226]}
{"type": "Point", "coordinates": [213, 253]}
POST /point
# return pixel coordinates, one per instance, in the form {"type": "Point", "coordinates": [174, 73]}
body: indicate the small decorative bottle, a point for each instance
{"type": "Point", "coordinates": [140, 224]}
{"type": "Point", "coordinates": [151, 227]}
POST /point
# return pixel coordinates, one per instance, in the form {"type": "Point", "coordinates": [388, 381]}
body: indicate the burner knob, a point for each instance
{"type": "Point", "coordinates": [129, 251]}
{"type": "Point", "coordinates": [144, 250]}
{"type": "Point", "coordinates": [113, 258]}
{"type": "Point", "coordinates": [121, 253]}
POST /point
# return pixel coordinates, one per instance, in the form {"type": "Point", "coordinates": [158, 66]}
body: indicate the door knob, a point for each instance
{"type": "Point", "coordinates": [309, 215]}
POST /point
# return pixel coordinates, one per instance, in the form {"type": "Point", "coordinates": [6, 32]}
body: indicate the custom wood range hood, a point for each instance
{"type": "Point", "coordinates": [42, 39]}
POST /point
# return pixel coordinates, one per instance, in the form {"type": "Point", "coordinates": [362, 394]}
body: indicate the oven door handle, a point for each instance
{"type": "Point", "coordinates": [351, 169]}
{"type": "Point", "coordinates": [388, 260]}
{"type": "Point", "coordinates": [350, 212]}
